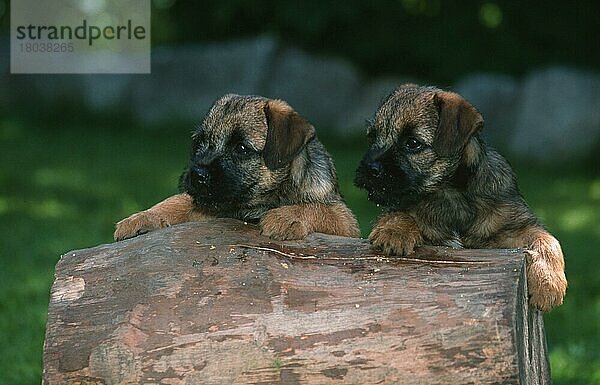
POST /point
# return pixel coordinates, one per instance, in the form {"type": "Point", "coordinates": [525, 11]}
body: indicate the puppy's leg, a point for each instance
{"type": "Point", "coordinates": [176, 209]}
{"type": "Point", "coordinates": [545, 268]}
{"type": "Point", "coordinates": [396, 233]}
{"type": "Point", "coordinates": [297, 221]}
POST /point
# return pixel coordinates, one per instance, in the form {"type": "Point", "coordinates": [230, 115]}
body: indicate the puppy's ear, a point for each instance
{"type": "Point", "coordinates": [287, 134]}
{"type": "Point", "coordinates": [459, 121]}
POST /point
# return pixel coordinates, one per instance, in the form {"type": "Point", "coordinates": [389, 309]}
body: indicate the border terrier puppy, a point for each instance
{"type": "Point", "coordinates": [257, 160]}
{"type": "Point", "coordinates": [439, 184]}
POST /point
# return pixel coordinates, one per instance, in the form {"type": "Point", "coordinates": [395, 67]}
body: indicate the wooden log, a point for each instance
{"type": "Point", "coordinates": [216, 303]}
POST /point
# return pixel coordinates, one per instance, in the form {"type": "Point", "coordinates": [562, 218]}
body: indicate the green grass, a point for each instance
{"type": "Point", "coordinates": [63, 187]}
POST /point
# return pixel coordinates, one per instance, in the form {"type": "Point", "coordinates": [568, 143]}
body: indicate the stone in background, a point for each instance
{"type": "Point", "coordinates": [318, 88]}
{"type": "Point", "coordinates": [559, 115]}
{"type": "Point", "coordinates": [496, 97]}
{"type": "Point", "coordinates": [106, 93]}
{"type": "Point", "coordinates": [353, 120]}
{"type": "Point", "coordinates": [552, 114]}
{"type": "Point", "coordinates": [185, 81]}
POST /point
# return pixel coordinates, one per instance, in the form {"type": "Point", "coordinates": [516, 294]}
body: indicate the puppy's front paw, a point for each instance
{"type": "Point", "coordinates": [396, 233]}
{"type": "Point", "coordinates": [547, 285]}
{"type": "Point", "coordinates": [137, 224]}
{"type": "Point", "coordinates": [392, 241]}
{"type": "Point", "coordinates": [280, 225]}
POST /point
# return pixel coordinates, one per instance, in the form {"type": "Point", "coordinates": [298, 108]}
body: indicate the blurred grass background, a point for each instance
{"type": "Point", "coordinates": [64, 185]}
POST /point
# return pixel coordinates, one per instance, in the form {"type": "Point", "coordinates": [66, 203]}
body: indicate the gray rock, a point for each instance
{"type": "Point", "coordinates": [107, 92]}
{"type": "Point", "coordinates": [319, 88]}
{"type": "Point", "coordinates": [496, 97]}
{"type": "Point", "coordinates": [559, 117]}
{"type": "Point", "coordinates": [186, 81]}
{"type": "Point", "coordinates": [353, 120]}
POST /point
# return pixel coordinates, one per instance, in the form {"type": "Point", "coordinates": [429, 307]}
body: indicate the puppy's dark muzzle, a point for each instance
{"type": "Point", "coordinates": [200, 176]}
{"type": "Point", "coordinates": [368, 172]}
{"type": "Point", "coordinates": [374, 168]}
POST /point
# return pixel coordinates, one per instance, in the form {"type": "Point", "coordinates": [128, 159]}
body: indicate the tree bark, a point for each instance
{"type": "Point", "coordinates": [216, 303]}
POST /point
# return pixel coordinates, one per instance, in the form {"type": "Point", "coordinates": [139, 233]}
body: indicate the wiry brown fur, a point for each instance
{"type": "Point", "coordinates": [297, 221]}
{"type": "Point", "coordinates": [450, 188]}
{"type": "Point", "coordinates": [396, 233]}
{"type": "Point", "coordinates": [281, 177]}
{"type": "Point", "coordinates": [176, 209]}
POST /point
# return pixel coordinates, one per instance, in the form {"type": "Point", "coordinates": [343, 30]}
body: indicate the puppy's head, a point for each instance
{"type": "Point", "coordinates": [416, 142]}
{"type": "Point", "coordinates": [242, 151]}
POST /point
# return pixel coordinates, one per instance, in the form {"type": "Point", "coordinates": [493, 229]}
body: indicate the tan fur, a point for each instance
{"type": "Point", "coordinates": [280, 105]}
{"type": "Point", "coordinates": [297, 221]}
{"type": "Point", "coordinates": [545, 269]}
{"type": "Point", "coordinates": [173, 210]}
{"type": "Point", "coordinates": [396, 233]}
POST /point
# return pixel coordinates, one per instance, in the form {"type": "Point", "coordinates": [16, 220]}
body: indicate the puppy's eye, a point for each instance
{"type": "Point", "coordinates": [243, 149]}
{"type": "Point", "coordinates": [413, 145]}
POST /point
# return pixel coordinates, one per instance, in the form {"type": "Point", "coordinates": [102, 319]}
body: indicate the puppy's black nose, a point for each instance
{"type": "Point", "coordinates": [200, 174]}
{"type": "Point", "coordinates": [374, 168]}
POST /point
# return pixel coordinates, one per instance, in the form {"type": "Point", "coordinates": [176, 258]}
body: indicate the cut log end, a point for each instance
{"type": "Point", "coordinates": [215, 302]}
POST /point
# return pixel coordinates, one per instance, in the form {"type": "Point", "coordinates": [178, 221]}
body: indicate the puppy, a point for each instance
{"type": "Point", "coordinates": [257, 160]}
{"type": "Point", "coordinates": [439, 184]}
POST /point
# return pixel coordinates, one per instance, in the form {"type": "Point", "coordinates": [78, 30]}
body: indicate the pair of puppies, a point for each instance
{"type": "Point", "coordinates": [256, 159]}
